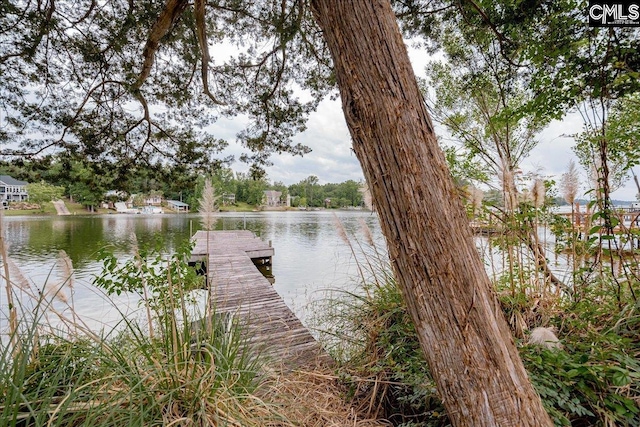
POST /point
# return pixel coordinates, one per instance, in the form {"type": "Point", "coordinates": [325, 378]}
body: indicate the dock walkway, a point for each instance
{"type": "Point", "coordinates": [239, 288]}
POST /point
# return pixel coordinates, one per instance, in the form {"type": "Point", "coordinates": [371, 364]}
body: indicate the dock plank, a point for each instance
{"type": "Point", "coordinates": [237, 287]}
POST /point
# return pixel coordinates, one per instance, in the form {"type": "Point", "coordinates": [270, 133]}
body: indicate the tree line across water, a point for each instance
{"type": "Point", "coordinates": [90, 184]}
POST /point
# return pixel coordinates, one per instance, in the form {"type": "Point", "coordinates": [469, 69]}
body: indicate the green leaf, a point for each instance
{"type": "Point", "coordinates": [620, 377]}
{"type": "Point", "coordinates": [595, 229]}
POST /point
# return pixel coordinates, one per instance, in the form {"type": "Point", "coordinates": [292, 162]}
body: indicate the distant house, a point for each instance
{"type": "Point", "coordinates": [272, 198]}
{"type": "Point", "coordinates": [153, 200]}
{"type": "Point", "coordinates": [177, 206]}
{"type": "Point", "coordinates": [228, 199]}
{"type": "Point", "coordinates": [12, 190]}
{"type": "Point", "coordinates": [111, 197]}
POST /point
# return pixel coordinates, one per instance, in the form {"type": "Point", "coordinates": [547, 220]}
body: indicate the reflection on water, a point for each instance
{"type": "Point", "coordinates": [309, 253]}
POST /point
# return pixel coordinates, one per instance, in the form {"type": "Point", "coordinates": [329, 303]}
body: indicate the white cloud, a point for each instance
{"type": "Point", "coordinates": [332, 159]}
{"type": "Point", "coordinates": [555, 150]}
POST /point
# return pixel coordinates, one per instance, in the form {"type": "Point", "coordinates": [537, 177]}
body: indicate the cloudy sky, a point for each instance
{"type": "Point", "coordinates": [332, 159]}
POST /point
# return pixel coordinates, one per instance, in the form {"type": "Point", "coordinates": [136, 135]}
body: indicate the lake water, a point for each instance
{"type": "Point", "coordinates": [310, 256]}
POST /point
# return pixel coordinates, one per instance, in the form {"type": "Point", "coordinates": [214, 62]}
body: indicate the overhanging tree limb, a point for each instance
{"type": "Point", "coordinates": [167, 18]}
{"type": "Point", "coordinates": [201, 32]}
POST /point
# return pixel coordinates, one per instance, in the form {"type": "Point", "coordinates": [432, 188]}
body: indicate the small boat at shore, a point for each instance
{"type": "Point", "coordinates": [151, 210]}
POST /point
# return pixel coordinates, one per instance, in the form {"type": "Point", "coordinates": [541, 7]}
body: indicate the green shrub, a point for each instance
{"type": "Point", "coordinates": [593, 381]}
{"type": "Point", "coordinates": [203, 373]}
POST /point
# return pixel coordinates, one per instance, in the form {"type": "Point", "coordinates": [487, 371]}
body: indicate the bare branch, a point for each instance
{"type": "Point", "coordinates": [201, 32]}
{"type": "Point", "coordinates": [168, 17]}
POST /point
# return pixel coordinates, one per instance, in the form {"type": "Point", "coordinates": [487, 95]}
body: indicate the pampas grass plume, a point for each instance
{"type": "Point", "coordinates": [538, 193]}
{"type": "Point", "coordinates": [341, 231]}
{"type": "Point", "coordinates": [18, 278]}
{"type": "Point", "coordinates": [67, 268]}
{"type": "Point", "coordinates": [476, 195]}
{"type": "Point", "coordinates": [55, 291]}
{"type": "Point", "coordinates": [366, 231]}
{"type": "Point", "coordinates": [208, 206]}
{"type": "Point", "coordinates": [570, 183]}
{"type": "Point", "coordinates": [508, 188]}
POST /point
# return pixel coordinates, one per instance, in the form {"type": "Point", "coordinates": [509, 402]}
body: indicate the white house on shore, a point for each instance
{"type": "Point", "coordinates": [272, 198]}
{"type": "Point", "coordinates": [177, 206]}
{"type": "Point", "coordinates": [12, 190]}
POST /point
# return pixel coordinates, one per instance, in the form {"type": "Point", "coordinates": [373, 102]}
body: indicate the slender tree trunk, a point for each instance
{"type": "Point", "coordinates": [530, 237]}
{"type": "Point", "coordinates": [462, 331]}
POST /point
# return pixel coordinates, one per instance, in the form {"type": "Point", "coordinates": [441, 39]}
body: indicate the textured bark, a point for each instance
{"type": "Point", "coordinates": [167, 18]}
{"type": "Point", "coordinates": [199, 8]}
{"type": "Point", "coordinates": [462, 331]}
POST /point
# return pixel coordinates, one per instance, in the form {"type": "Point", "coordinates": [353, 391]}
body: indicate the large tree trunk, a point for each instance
{"type": "Point", "coordinates": [462, 331]}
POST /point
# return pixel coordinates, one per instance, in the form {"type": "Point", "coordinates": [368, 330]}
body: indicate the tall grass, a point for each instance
{"type": "Point", "coordinates": [59, 372]}
{"type": "Point", "coordinates": [593, 380]}
{"type": "Point", "coordinates": [183, 374]}
{"type": "Point", "coordinates": [371, 335]}
{"type": "Point", "coordinates": [13, 316]}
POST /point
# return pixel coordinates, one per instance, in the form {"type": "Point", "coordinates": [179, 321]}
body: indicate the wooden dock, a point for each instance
{"type": "Point", "coordinates": [239, 288]}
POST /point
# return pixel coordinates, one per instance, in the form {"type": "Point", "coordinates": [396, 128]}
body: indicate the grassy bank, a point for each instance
{"type": "Point", "coordinates": [78, 209]}
{"type": "Point", "coordinates": [593, 379]}
{"type": "Point", "coordinates": [238, 207]}
{"type": "Point", "coordinates": [49, 210]}
{"type": "Point", "coordinates": [159, 369]}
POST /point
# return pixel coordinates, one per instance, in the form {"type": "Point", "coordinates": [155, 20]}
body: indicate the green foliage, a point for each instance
{"type": "Point", "coordinates": [581, 388]}
{"type": "Point", "coordinates": [87, 183]}
{"type": "Point", "coordinates": [41, 193]}
{"type": "Point", "coordinates": [200, 373]}
{"type": "Point", "coordinates": [250, 190]}
{"type": "Point", "coordinates": [593, 380]}
{"type": "Point", "coordinates": [559, 58]}
{"type": "Point", "coordinates": [614, 139]}
{"type": "Point", "coordinates": [464, 168]}
{"type": "Point", "coordinates": [147, 273]}
{"type": "Point", "coordinates": [223, 180]}
{"type": "Point", "coordinates": [622, 131]}
{"type": "Point", "coordinates": [309, 192]}
{"type": "Point", "coordinates": [476, 99]}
